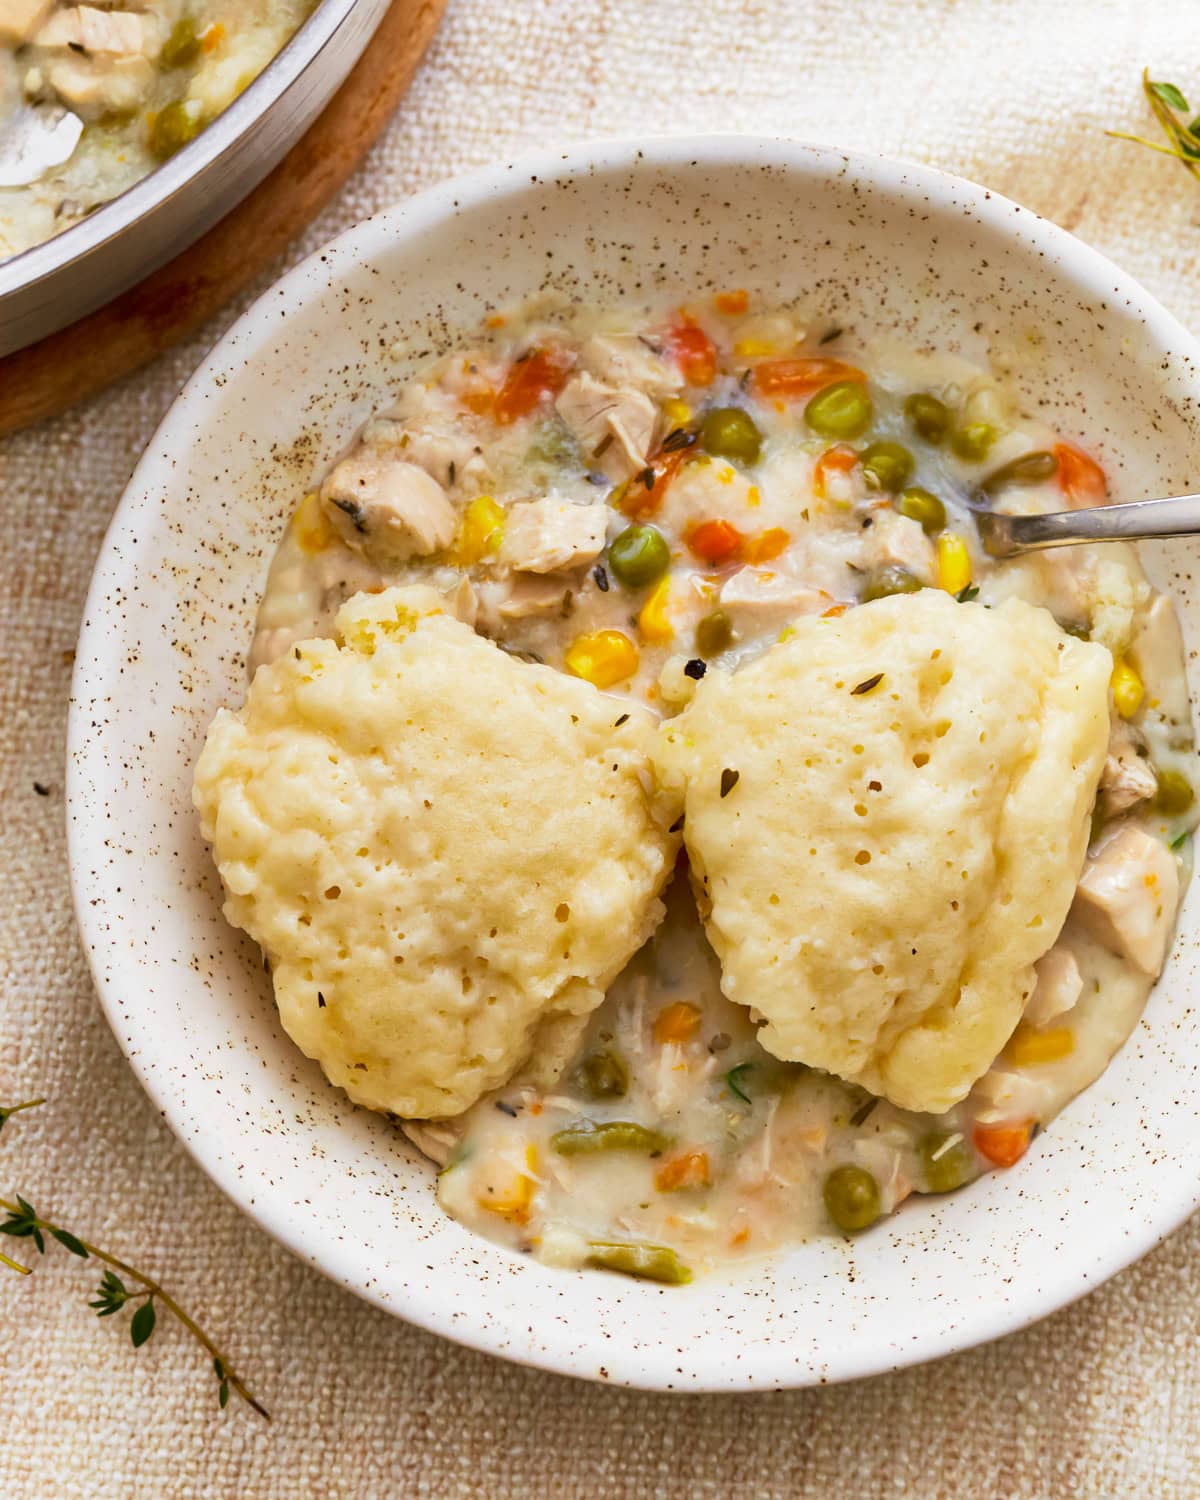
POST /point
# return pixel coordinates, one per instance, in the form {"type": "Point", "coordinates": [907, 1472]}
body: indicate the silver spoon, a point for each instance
{"type": "Point", "coordinates": [34, 140]}
{"type": "Point", "coordinates": [1006, 536]}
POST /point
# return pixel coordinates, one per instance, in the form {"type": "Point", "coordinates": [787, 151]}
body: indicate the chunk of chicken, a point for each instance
{"type": "Point", "coordinates": [552, 536]}
{"type": "Point", "coordinates": [447, 454]}
{"type": "Point", "coordinates": [757, 599]}
{"type": "Point", "coordinates": [20, 19]}
{"type": "Point", "coordinates": [387, 508]}
{"type": "Point", "coordinates": [122, 33]}
{"type": "Point", "coordinates": [613, 425]}
{"type": "Point", "coordinates": [1127, 896]}
{"type": "Point", "coordinates": [623, 360]}
{"type": "Point", "coordinates": [898, 542]}
{"type": "Point", "coordinates": [96, 86]}
{"type": "Point", "coordinates": [521, 596]}
{"type": "Point", "coordinates": [1127, 777]}
{"type": "Point", "coordinates": [1156, 651]}
{"type": "Point", "coordinates": [1059, 985]}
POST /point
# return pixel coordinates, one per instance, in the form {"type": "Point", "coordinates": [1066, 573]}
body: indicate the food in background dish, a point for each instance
{"type": "Point", "coordinates": [144, 76]}
{"type": "Point", "coordinates": [768, 521]}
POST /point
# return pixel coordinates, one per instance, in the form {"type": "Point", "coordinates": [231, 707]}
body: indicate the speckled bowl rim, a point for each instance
{"type": "Point", "coordinates": [554, 1348]}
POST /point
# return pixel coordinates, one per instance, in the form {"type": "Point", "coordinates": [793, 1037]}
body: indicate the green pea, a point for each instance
{"type": "Point", "coordinates": [843, 410]}
{"type": "Point", "coordinates": [639, 556]}
{"type": "Point", "coordinates": [944, 1166]}
{"type": "Point", "coordinates": [890, 581]}
{"type": "Point", "coordinates": [586, 1136]}
{"type": "Point", "coordinates": [973, 442]}
{"type": "Point", "coordinates": [182, 46]}
{"type": "Point", "coordinates": [714, 634]}
{"type": "Point", "coordinates": [851, 1198]}
{"type": "Point", "coordinates": [604, 1075]}
{"type": "Point", "coordinates": [651, 1262]}
{"type": "Point", "coordinates": [1029, 468]}
{"type": "Point", "coordinates": [174, 126]}
{"type": "Point", "coordinates": [887, 465]}
{"type": "Point", "coordinates": [923, 507]}
{"type": "Point", "coordinates": [729, 432]}
{"type": "Point", "coordinates": [928, 417]}
{"type": "Point", "coordinates": [1175, 793]}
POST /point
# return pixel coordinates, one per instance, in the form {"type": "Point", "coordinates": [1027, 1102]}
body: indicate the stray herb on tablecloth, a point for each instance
{"type": "Point", "coordinates": [23, 1222]}
{"type": "Point", "coordinates": [1170, 109]}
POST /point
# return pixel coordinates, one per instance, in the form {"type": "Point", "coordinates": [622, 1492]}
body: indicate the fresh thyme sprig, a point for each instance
{"type": "Point", "coordinates": [23, 1222]}
{"type": "Point", "coordinates": [1183, 137]}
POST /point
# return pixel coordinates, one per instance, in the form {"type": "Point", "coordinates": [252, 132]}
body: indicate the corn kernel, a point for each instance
{"type": "Point", "coordinates": [513, 1200]}
{"type": "Point", "coordinates": [1029, 1046]}
{"type": "Point", "coordinates": [676, 413]}
{"type": "Point", "coordinates": [481, 531]}
{"type": "Point", "coordinates": [1127, 689]}
{"type": "Point", "coordinates": [603, 658]}
{"type": "Point", "coordinates": [310, 527]}
{"type": "Point", "coordinates": [653, 621]}
{"type": "Point", "coordinates": [953, 563]}
{"type": "Point", "coordinates": [754, 348]}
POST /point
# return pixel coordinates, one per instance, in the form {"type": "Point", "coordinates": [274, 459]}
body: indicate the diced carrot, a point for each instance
{"type": "Point", "coordinates": [834, 611]}
{"type": "Point", "coordinates": [715, 541]}
{"type": "Point", "coordinates": [692, 350]}
{"type": "Point", "coordinates": [1002, 1144]}
{"type": "Point", "coordinates": [495, 320]}
{"type": "Point", "coordinates": [530, 379]}
{"type": "Point", "coordinates": [766, 545]}
{"type": "Point", "coordinates": [1080, 478]}
{"type": "Point", "coordinates": [732, 303]}
{"type": "Point", "coordinates": [676, 1022]}
{"type": "Point", "coordinates": [740, 1238]}
{"type": "Point", "coordinates": [212, 37]}
{"type": "Point", "coordinates": [642, 495]}
{"type": "Point", "coordinates": [688, 1170]}
{"type": "Point", "coordinates": [794, 378]}
{"type": "Point", "coordinates": [839, 460]}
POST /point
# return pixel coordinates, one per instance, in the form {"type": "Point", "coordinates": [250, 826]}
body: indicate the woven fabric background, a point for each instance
{"type": "Point", "coordinates": [1101, 1400]}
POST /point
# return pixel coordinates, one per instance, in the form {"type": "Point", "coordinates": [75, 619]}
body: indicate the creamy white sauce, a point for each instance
{"type": "Point", "coordinates": [742, 1144]}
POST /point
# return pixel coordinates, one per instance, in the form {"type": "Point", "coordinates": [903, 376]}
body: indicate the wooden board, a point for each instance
{"type": "Point", "coordinates": [47, 377]}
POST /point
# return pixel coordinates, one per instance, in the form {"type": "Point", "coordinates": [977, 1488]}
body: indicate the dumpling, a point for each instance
{"type": "Point", "coordinates": [443, 851]}
{"type": "Point", "coordinates": [886, 817]}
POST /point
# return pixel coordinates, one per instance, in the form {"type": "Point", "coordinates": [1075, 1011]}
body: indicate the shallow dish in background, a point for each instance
{"type": "Point", "coordinates": [54, 283]}
{"type": "Point", "coordinates": [870, 243]}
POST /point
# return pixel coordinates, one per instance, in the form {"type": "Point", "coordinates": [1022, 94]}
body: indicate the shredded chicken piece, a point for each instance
{"type": "Point", "coordinates": [552, 536]}
{"type": "Point", "coordinates": [385, 507]}
{"type": "Point", "coordinates": [758, 599]}
{"type": "Point", "coordinates": [120, 32]}
{"type": "Point", "coordinates": [624, 360]}
{"type": "Point", "coordinates": [1127, 778]}
{"type": "Point", "coordinates": [1059, 985]}
{"type": "Point", "coordinates": [1127, 897]}
{"type": "Point", "coordinates": [613, 425]}
{"type": "Point", "coordinates": [896, 541]}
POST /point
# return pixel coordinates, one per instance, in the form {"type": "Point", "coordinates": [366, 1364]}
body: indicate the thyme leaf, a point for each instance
{"type": "Point", "coordinates": [735, 1077]}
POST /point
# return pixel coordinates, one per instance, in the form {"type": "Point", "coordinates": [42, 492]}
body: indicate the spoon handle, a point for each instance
{"type": "Point", "coordinates": [1179, 516]}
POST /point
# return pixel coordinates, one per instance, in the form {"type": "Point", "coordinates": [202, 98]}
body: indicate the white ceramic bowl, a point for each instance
{"type": "Point", "coordinates": [870, 243]}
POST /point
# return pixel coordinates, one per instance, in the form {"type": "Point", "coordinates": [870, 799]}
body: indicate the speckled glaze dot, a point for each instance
{"type": "Point", "coordinates": [864, 244]}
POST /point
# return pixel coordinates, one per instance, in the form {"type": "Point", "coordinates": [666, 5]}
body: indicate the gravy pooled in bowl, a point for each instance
{"type": "Point", "coordinates": [673, 506]}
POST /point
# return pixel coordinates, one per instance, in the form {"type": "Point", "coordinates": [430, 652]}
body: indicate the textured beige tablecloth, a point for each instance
{"type": "Point", "coordinates": [1101, 1400]}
